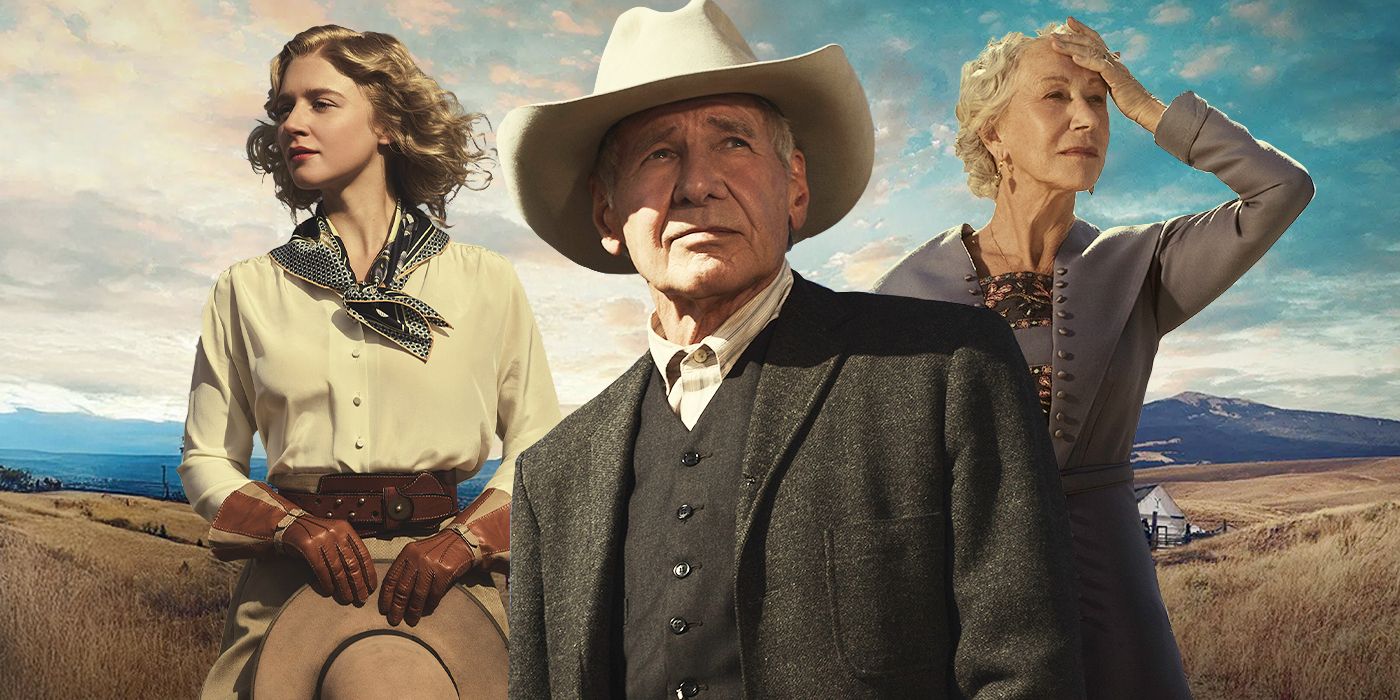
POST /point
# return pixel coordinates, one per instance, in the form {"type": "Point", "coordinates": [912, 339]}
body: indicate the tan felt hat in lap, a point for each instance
{"type": "Point", "coordinates": [318, 648]}
{"type": "Point", "coordinates": [655, 58]}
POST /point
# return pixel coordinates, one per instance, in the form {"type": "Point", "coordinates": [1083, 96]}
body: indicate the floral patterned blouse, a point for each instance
{"type": "Point", "coordinates": [1024, 300]}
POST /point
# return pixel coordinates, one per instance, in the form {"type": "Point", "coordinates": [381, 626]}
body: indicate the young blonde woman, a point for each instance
{"type": "Point", "coordinates": [374, 357]}
{"type": "Point", "coordinates": [1089, 307]}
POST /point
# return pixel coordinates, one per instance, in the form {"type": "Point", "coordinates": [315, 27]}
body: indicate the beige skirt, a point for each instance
{"type": "Point", "coordinates": [263, 587]}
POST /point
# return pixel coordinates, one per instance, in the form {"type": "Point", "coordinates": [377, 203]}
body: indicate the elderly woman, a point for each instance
{"type": "Point", "coordinates": [375, 357]}
{"type": "Point", "coordinates": [1089, 307]}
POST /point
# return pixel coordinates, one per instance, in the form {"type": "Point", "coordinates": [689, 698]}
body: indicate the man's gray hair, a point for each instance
{"type": "Point", "coordinates": [605, 165]}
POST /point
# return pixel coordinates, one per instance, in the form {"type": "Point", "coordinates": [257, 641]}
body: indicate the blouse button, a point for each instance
{"type": "Point", "coordinates": [1061, 283]}
{"type": "Point", "coordinates": [355, 352]}
{"type": "Point", "coordinates": [974, 291]}
{"type": "Point", "coordinates": [1061, 374]}
{"type": "Point", "coordinates": [355, 401]}
{"type": "Point", "coordinates": [969, 278]}
{"type": "Point", "coordinates": [1059, 394]}
{"type": "Point", "coordinates": [1061, 270]}
{"type": "Point", "coordinates": [1060, 416]}
{"type": "Point", "coordinates": [1058, 353]}
{"type": "Point", "coordinates": [1060, 299]}
{"type": "Point", "coordinates": [1059, 433]}
{"type": "Point", "coordinates": [359, 443]}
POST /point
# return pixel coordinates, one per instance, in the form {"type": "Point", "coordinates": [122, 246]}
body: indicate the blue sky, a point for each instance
{"type": "Point", "coordinates": [125, 191]}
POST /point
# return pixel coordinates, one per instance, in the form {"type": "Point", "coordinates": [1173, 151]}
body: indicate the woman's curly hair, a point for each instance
{"type": "Point", "coordinates": [435, 146]}
{"type": "Point", "coordinates": [985, 92]}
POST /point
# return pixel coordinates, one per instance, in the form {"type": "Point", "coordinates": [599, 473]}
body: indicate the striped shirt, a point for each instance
{"type": "Point", "coordinates": [693, 372]}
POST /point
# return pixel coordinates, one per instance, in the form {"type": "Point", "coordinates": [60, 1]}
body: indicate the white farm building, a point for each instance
{"type": "Point", "coordinates": [1157, 510]}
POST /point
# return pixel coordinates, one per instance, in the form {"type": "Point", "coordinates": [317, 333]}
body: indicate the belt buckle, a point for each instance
{"type": "Point", "coordinates": [398, 508]}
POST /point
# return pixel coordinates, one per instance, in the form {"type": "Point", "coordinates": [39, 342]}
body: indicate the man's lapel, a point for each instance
{"type": "Point", "coordinates": [602, 491]}
{"type": "Point", "coordinates": [802, 360]}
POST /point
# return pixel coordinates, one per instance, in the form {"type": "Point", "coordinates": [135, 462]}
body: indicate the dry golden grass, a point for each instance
{"type": "Point", "coordinates": [92, 610]}
{"type": "Point", "coordinates": [1255, 492]}
{"type": "Point", "coordinates": [1302, 607]}
{"type": "Point", "coordinates": [1303, 603]}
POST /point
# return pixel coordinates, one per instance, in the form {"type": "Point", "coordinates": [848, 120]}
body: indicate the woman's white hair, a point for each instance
{"type": "Point", "coordinates": [982, 98]}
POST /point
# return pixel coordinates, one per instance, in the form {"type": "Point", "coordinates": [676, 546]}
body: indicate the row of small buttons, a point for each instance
{"type": "Point", "coordinates": [678, 625]}
{"type": "Point", "coordinates": [1059, 431]}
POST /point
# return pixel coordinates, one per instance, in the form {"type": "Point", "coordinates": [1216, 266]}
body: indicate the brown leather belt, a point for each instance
{"type": "Point", "coordinates": [381, 502]}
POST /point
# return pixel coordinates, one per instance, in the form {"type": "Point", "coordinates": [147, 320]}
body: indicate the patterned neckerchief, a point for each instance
{"type": "Point", "coordinates": [316, 254]}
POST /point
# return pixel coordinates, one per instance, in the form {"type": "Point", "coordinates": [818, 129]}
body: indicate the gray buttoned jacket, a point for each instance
{"type": "Point", "coordinates": [1117, 292]}
{"type": "Point", "coordinates": [900, 531]}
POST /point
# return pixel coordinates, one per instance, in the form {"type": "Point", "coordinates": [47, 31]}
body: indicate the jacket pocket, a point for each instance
{"type": "Point", "coordinates": [887, 586]}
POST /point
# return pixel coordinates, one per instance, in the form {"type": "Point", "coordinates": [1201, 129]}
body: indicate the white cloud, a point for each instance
{"type": "Point", "coordinates": [1206, 60]}
{"type": "Point", "coordinates": [1354, 122]}
{"type": "Point", "coordinates": [1086, 5]}
{"type": "Point", "coordinates": [1119, 203]}
{"type": "Point", "coordinates": [898, 44]}
{"type": "Point", "coordinates": [1261, 74]}
{"type": "Point", "coordinates": [764, 51]}
{"type": "Point", "coordinates": [944, 138]}
{"type": "Point", "coordinates": [1261, 16]}
{"type": "Point", "coordinates": [989, 17]}
{"type": "Point", "coordinates": [1169, 13]}
{"type": "Point", "coordinates": [1129, 42]}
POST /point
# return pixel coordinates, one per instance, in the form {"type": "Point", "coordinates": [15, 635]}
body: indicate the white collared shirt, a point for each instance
{"type": "Point", "coordinates": [694, 372]}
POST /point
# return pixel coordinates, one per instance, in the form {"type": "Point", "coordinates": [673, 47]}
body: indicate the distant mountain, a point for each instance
{"type": "Point", "coordinates": [81, 432]}
{"type": "Point", "coordinates": [1188, 428]}
{"type": "Point", "coordinates": [1192, 428]}
{"type": "Point", "coordinates": [85, 433]}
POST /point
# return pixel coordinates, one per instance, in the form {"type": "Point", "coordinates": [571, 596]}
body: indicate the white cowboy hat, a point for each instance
{"type": "Point", "coordinates": [655, 58]}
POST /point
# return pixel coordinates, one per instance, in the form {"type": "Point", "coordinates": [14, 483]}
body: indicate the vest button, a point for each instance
{"type": "Point", "coordinates": [681, 570]}
{"type": "Point", "coordinates": [685, 511]}
{"type": "Point", "coordinates": [679, 625]}
{"type": "Point", "coordinates": [687, 689]}
{"type": "Point", "coordinates": [690, 458]}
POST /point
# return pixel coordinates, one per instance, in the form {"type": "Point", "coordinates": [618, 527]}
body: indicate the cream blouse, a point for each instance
{"type": "Point", "coordinates": [279, 356]}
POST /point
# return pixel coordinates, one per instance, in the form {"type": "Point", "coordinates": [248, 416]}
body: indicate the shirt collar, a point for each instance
{"type": "Point", "coordinates": [728, 341]}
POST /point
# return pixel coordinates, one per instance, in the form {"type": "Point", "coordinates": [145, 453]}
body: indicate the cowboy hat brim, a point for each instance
{"type": "Point", "coordinates": [311, 632]}
{"type": "Point", "coordinates": [548, 150]}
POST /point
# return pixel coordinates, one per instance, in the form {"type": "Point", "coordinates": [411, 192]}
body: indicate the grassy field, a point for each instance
{"type": "Point", "coordinates": [92, 605]}
{"type": "Point", "coordinates": [1303, 601]}
{"type": "Point", "coordinates": [1299, 600]}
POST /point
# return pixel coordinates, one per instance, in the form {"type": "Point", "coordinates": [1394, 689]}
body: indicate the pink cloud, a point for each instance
{"type": "Point", "coordinates": [423, 16]}
{"type": "Point", "coordinates": [501, 74]}
{"type": "Point", "coordinates": [289, 16]}
{"type": "Point", "coordinates": [564, 23]}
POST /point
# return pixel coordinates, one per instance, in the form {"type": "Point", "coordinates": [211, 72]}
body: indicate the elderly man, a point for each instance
{"type": "Point", "coordinates": [795, 493]}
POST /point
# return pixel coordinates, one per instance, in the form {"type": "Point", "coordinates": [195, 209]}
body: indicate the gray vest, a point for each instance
{"type": "Point", "coordinates": [679, 637]}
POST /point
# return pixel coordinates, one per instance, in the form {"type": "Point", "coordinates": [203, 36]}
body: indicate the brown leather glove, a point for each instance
{"type": "Point", "coordinates": [255, 522]}
{"type": "Point", "coordinates": [425, 569]}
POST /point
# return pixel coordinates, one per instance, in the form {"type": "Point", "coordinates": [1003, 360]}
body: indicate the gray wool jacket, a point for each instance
{"type": "Point", "coordinates": [901, 531]}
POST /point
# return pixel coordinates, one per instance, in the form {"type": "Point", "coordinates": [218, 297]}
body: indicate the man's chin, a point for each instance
{"type": "Point", "coordinates": [710, 278]}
